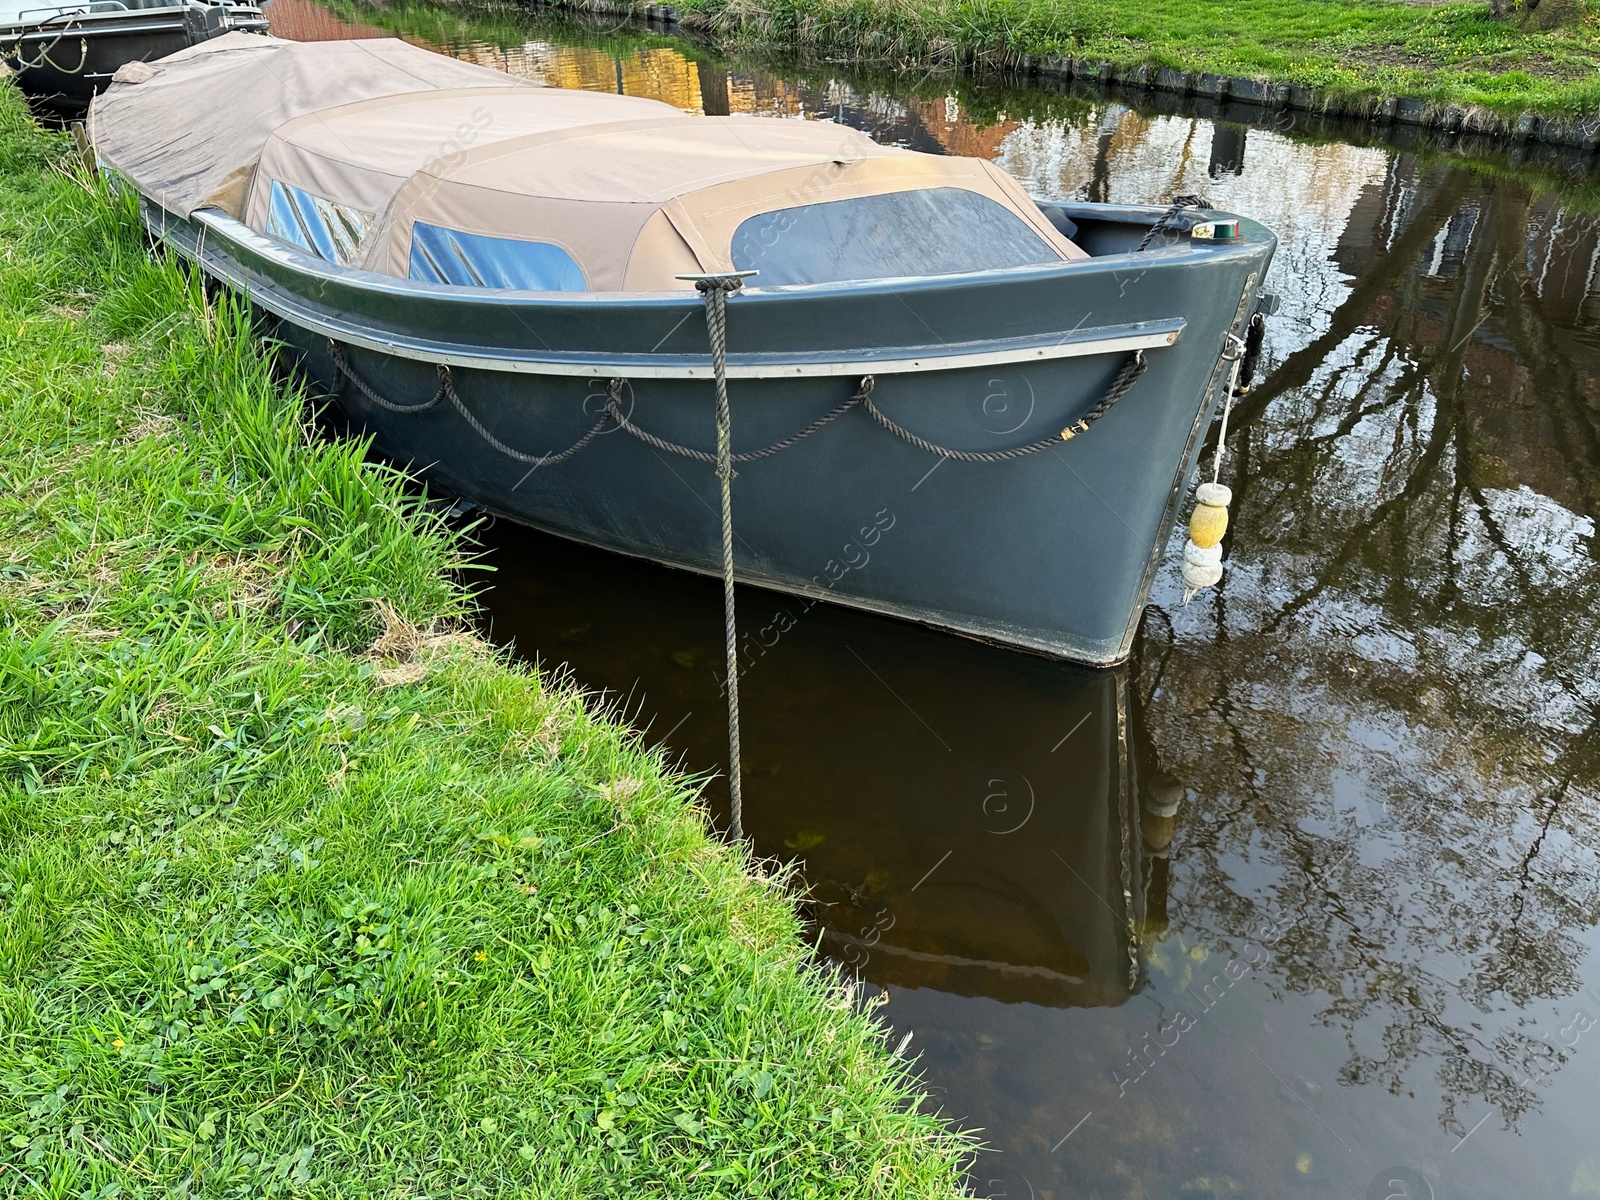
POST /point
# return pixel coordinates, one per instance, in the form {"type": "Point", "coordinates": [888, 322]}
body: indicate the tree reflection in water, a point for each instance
{"type": "Point", "coordinates": [1403, 661]}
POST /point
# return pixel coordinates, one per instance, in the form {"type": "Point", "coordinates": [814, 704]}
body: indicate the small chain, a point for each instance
{"type": "Point", "coordinates": [1255, 335]}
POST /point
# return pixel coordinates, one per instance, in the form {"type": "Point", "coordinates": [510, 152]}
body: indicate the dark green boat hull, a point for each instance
{"type": "Point", "coordinates": [1054, 552]}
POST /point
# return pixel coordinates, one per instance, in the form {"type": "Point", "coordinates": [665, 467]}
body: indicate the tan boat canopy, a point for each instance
{"type": "Point", "coordinates": [414, 165]}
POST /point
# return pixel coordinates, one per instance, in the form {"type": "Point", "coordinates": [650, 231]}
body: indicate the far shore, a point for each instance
{"type": "Point", "coordinates": [1449, 64]}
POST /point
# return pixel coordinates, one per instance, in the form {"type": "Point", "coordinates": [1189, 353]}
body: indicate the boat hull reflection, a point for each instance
{"type": "Point", "coordinates": [964, 819]}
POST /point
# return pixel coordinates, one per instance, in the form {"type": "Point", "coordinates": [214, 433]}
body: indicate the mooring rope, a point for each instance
{"type": "Point", "coordinates": [1202, 553]}
{"type": "Point", "coordinates": [1166, 219]}
{"type": "Point", "coordinates": [1233, 351]}
{"type": "Point", "coordinates": [535, 461]}
{"type": "Point", "coordinates": [715, 289]}
{"type": "Point", "coordinates": [342, 368]}
{"type": "Point", "coordinates": [1125, 843]}
{"type": "Point", "coordinates": [1121, 384]}
{"type": "Point", "coordinates": [43, 58]}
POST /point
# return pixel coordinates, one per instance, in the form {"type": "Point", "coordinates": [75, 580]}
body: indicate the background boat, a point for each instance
{"type": "Point", "coordinates": [64, 53]}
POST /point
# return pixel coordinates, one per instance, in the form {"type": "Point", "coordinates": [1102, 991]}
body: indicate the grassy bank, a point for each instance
{"type": "Point", "coordinates": [1451, 52]}
{"type": "Point", "coordinates": [303, 889]}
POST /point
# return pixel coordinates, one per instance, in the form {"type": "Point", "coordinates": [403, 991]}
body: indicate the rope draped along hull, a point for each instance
{"type": "Point", "coordinates": [64, 60]}
{"type": "Point", "coordinates": [999, 454]}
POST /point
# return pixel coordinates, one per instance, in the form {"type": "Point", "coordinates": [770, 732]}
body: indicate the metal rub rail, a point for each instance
{"type": "Point", "coordinates": [247, 261]}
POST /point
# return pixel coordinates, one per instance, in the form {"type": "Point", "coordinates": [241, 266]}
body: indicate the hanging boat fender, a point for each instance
{"type": "Point", "coordinates": [1202, 554]}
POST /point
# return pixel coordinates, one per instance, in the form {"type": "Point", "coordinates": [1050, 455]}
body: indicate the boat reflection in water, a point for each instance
{"type": "Point", "coordinates": [965, 819]}
{"type": "Point", "coordinates": [1031, 857]}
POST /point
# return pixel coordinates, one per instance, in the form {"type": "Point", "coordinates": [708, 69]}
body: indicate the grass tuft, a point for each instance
{"type": "Point", "coordinates": [303, 890]}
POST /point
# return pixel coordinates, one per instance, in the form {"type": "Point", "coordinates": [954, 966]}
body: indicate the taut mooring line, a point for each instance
{"type": "Point", "coordinates": [715, 289]}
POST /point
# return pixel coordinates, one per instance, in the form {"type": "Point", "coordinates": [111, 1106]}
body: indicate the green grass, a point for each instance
{"type": "Point", "coordinates": [1449, 52]}
{"type": "Point", "coordinates": [304, 890]}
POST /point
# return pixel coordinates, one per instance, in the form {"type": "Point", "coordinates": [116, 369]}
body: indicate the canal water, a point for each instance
{"type": "Point", "coordinates": [1302, 901]}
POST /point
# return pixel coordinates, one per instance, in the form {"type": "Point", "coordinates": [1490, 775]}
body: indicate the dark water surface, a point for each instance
{"type": "Point", "coordinates": [1302, 901]}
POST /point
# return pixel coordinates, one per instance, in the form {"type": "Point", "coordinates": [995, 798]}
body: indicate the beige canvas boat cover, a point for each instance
{"type": "Point", "coordinates": [636, 203]}
{"type": "Point", "coordinates": [360, 155]}
{"type": "Point", "coordinates": [188, 129]}
{"type": "Point", "coordinates": [378, 152]}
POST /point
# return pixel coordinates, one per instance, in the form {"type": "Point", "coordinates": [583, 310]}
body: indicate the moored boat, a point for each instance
{"type": "Point", "coordinates": [63, 52]}
{"type": "Point", "coordinates": [951, 403]}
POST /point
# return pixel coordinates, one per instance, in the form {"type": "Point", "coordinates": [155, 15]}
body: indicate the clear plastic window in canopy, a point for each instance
{"type": "Point", "coordinates": [316, 225]}
{"type": "Point", "coordinates": [929, 231]}
{"type": "Point", "coordinates": [440, 255]}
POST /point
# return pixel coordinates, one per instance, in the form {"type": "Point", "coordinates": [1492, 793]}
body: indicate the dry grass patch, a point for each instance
{"type": "Point", "coordinates": [410, 651]}
{"type": "Point", "coordinates": [147, 424]}
{"type": "Point", "coordinates": [114, 354]}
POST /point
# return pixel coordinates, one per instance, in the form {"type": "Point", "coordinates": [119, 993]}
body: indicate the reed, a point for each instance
{"type": "Point", "coordinates": [306, 890]}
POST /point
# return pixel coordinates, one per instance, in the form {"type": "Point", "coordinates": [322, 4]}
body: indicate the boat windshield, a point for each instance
{"type": "Point", "coordinates": [929, 231]}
